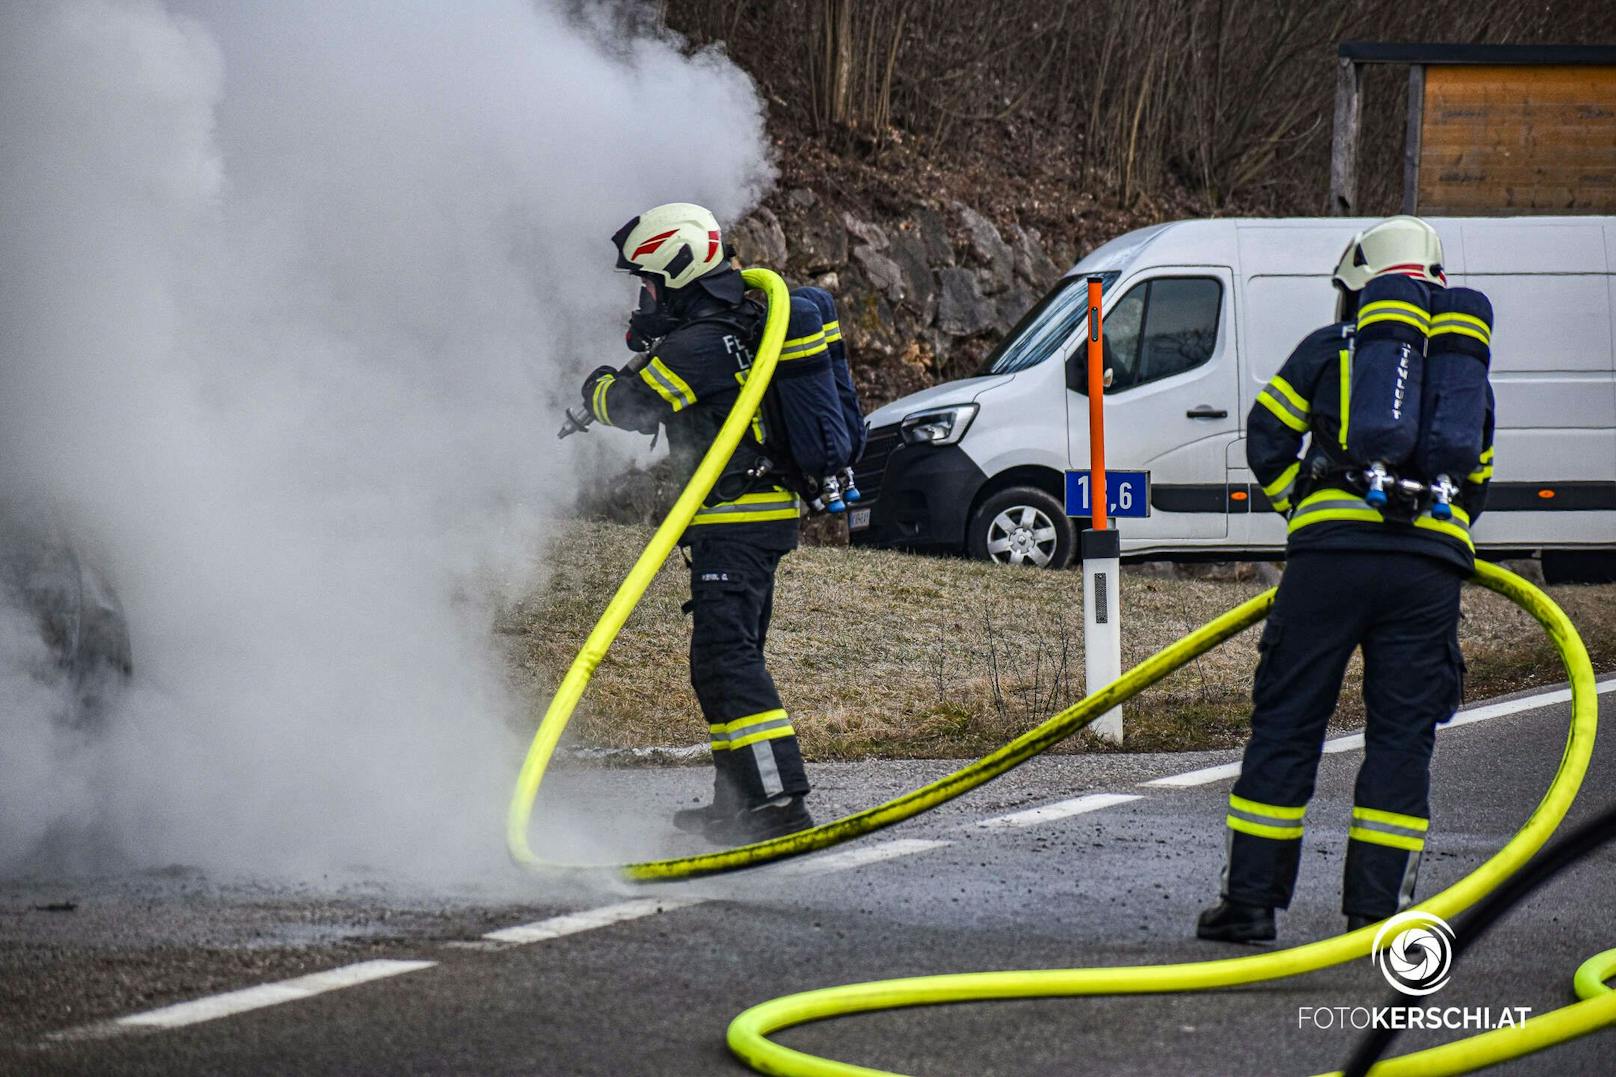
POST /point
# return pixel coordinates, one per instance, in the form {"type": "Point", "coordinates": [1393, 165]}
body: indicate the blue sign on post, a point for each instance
{"type": "Point", "coordinates": [1127, 491]}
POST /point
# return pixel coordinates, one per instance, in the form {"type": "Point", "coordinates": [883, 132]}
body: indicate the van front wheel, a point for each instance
{"type": "Point", "coordinates": [1022, 526]}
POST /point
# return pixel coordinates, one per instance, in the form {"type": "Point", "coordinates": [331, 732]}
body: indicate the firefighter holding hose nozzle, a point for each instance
{"type": "Point", "coordinates": [697, 333]}
{"type": "Point", "coordinates": [1375, 441]}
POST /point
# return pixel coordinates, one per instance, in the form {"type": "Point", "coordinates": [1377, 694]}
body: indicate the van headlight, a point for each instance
{"type": "Point", "coordinates": [938, 426]}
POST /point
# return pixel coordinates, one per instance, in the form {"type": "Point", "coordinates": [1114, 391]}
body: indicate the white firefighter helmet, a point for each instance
{"type": "Point", "coordinates": [678, 243]}
{"type": "Point", "coordinates": [1402, 244]}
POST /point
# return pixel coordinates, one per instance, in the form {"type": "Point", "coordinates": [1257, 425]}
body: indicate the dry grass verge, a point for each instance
{"type": "Point", "coordinates": [894, 655]}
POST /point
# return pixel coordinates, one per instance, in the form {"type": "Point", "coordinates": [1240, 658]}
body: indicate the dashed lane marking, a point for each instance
{"type": "Point", "coordinates": [1198, 777]}
{"type": "Point", "coordinates": [573, 922]}
{"type": "Point", "coordinates": [1355, 741]}
{"type": "Point", "coordinates": [855, 858]}
{"type": "Point", "coordinates": [273, 994]}
{"type": "Point", "coordinates": [1065, 809]}
{"type": "Point", "coordinates": [590, 919]}
{"type": "Point", "coordinates": [250, 998]}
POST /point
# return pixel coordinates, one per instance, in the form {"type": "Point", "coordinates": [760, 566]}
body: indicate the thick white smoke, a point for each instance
{"type": "Point", "coordinates": [292, 292]}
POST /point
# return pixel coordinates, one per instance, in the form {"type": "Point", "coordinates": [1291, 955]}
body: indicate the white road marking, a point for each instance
{"type": "Point", "coordinates": [1354, 741]}
{"type": "Point", "coordinates": [1065, 809]}
{"type": "Point", "coordinates": [253, 998]}
{"type": "Point", "coordinates": [588, 920]}
{"type": "Point", "coordinates": [856, 858]}
{"type": "Point", "coordinates": [1198, 777]}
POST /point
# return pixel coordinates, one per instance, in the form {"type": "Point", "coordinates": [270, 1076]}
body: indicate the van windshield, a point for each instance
{"type": "Point", "coordinates": [1046, 327]}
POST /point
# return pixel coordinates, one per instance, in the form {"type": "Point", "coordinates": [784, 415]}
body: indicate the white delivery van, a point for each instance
{"type": "Point", "coordinates": [1198, 316]}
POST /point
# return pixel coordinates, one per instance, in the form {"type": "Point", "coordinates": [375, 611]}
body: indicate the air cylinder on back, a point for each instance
{"type": "Point", "coordinates": [1383, 420]}
{"type": "Point", "coordinates": [810, 404]}
{"type": "Point", "coordinates": [852, 409]}
{"type": "Point", "coordinates": [1453, 408]}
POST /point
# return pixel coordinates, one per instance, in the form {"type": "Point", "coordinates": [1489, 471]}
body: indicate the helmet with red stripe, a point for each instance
{"type": "Point", "coordinates": [677, 243]}
{"type": "Point", "coordinates": [1403, 245]}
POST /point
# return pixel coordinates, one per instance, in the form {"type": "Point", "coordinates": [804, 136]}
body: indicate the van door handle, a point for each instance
{"type": "Point", "coordinates": [1205, 412]}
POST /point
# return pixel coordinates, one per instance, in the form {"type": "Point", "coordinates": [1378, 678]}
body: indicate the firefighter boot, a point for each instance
{"type": "Point", "coordinates": [697, 820]}
{"type": "Point", "coordinates": [1235, 921]}
{"type": "Point", "coordinates": [726, 802]}
{"type": "Point", "coordinates": [773, 819]}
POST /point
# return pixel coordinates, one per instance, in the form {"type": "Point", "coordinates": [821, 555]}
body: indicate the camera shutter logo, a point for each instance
{"type": "Point", "coordinates": [1414, 951]}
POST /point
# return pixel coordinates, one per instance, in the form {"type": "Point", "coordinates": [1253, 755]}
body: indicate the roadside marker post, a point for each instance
{"type": "Point", "coordinates": [1100, 546]}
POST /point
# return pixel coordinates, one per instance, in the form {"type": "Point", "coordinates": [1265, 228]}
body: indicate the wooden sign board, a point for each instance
{"type": "Point", "coordinates": [1511, 139]}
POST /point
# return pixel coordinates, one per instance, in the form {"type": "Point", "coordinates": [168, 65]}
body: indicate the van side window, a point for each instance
{"type": "Point", "coordinates": [1160, 328]}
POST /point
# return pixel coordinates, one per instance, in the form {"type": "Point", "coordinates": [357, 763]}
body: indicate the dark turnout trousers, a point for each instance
{"type": "Point", "coordinates": [754, 746]}
{"type": "Point", "coordinates": [1403, 610]}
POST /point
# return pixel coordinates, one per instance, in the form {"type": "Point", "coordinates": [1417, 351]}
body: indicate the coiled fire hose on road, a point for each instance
{"type": "Point", "coordinates": [748, 1033]}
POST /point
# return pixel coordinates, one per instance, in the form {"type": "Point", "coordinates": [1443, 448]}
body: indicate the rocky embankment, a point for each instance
{"type": "Point", "coordinates": [923, 295]}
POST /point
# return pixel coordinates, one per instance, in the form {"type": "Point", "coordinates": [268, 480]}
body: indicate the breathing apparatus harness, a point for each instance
{"type": "Point", "coordinates": [1399, 494]}
{"type": "Point", "coordinates": [1400, 497]}
{"type": "Point", "coordinates": [771, 461]}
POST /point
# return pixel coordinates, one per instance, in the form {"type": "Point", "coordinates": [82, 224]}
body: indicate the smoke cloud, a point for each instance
{"type": "Point", "coordinates": [291, 293]}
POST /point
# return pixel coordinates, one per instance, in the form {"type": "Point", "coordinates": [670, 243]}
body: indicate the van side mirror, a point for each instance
{"type": "Point", "coordinates": [1077, 375]}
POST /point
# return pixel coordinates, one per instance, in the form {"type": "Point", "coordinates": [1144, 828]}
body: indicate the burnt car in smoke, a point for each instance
{"type": "Point", "coordinates": [66, 627]}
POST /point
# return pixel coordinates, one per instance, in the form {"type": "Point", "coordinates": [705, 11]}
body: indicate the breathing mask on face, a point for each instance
{"type": "Point", "coordinates": [649, 322]}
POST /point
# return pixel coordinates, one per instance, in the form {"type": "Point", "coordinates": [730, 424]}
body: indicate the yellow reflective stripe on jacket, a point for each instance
{"type": "Point", "coordinates": [1288, 406]}
{"type": "Point", "coordinates": [1394, 310]}
{"type": "Point", "coordinates": [1388, 828]}
{"type": "Point", "coordinates": [803, 347]}
{"type": "Point", "coordinates": [1485, 471]}
{"type": "Point", "coordinates": [1458, 527]}
{"type": "Point", "coordinates": [668, 385]}
{"type": "Point", "coordinates": [1279, 491]}
{"type": "Point", "coordinates": [597, 399]}
{"type": "Point", "coordinates": [776, 504]}
{"type": "Point", "coordinates": [1467, 324]}
{"type": "Point", "coordinates": [833, 332]}
{"type": "Point", "coordinates": [1277, 821]}
{"type": "Point", "coordinates": [766, 725]}
{"type": "Point", "coordinates": [1322, 506]}
{"type": "Point", "coordinates": [1296, 399]}
{"type": "Point", "coordinates": [1346, 392]}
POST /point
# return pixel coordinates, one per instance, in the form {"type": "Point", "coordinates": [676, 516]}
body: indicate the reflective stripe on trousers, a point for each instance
{"type": "Point", "coordinates": [1388, 828]}
{"type": "Point", "coordinates": [1274, 821]}
{"type": "Point", "coordinates": [750, 730]}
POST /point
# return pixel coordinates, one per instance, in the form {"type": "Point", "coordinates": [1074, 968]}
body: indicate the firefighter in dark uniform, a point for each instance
{"type": "Point", "coordinates": [699, 331]}
{"type": "Point", "coordinates": [1356, 576]}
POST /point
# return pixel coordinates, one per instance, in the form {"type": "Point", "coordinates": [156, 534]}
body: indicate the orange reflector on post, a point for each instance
{"type": "Point", "coordinates": [1097, 488]}
{"type": "Point", "coordinates": [1237, 495]}
{"type": "Point", "coordinates": [1546, 495]}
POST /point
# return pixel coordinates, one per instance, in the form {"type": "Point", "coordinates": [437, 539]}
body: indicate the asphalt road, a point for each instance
{"type": "Point", "coordinates": [650, 992]}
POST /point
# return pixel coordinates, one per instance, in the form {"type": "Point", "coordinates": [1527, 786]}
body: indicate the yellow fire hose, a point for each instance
{"type": "Point", "coordinates": [748, 1033]}
{"type": "Point", "coordinates": [639, 577]}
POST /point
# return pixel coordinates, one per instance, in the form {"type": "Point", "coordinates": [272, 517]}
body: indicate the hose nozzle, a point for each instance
{"type": "Point", "coordinates": [578, 421]}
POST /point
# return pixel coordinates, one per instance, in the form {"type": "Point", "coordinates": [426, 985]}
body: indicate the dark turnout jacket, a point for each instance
{"type": "Point", "coordinates": [689, 385]}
